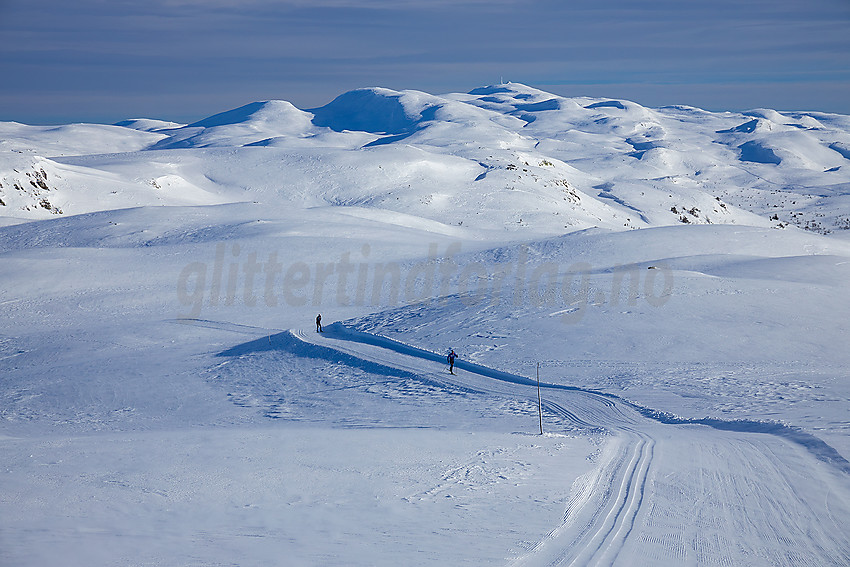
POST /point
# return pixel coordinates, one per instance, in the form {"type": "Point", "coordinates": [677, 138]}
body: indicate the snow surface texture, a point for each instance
{"type": "Point", "coordinates": [165, 399]}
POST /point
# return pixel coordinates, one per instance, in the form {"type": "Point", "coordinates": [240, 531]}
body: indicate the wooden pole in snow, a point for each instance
{"type": "Point", "coordinates": [539, 402]}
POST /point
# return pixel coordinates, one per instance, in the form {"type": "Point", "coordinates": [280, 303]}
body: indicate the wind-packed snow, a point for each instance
{"type": "Point", "coordinates": [679, 278]}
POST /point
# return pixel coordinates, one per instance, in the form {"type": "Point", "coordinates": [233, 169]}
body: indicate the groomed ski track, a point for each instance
{"type": "Point", "coordinates": [660, 492]}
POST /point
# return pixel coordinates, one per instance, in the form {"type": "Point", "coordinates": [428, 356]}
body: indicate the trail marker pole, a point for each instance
{"type": "Point", "coordinates": [539, 402]}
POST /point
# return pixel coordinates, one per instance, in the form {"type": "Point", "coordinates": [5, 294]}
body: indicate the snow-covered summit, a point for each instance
{"type": "Point", "coordinates": [376, 110]}
{"type": "Point", "coordinates": [241, 126]}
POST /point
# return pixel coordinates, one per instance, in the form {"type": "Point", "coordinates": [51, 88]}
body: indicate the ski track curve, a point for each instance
{"type": "Point", "coordinates": [665, 490]}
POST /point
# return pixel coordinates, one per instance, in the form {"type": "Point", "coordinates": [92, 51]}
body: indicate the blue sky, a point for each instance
{"type": "Point", "coordinates": [106, 60]}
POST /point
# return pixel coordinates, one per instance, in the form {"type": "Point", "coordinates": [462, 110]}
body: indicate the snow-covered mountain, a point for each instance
{"type": "Point", "coordinates": [508, 156]}
{"type": "Point", "coordinates": [677, 277]}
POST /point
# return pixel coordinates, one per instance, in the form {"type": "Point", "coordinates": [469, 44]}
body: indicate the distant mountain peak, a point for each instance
{"type": "Point", "coordinates": [375, 110]}
{"type": "Point", "coordinates": [265, 111]}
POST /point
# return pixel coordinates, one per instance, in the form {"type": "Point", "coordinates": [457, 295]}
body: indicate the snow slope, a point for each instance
{"type": "Point", "coordinates": [164, 399]}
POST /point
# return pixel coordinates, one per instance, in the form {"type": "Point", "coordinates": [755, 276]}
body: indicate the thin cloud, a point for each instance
{"type": "Point", "coordinates": [309, 51]}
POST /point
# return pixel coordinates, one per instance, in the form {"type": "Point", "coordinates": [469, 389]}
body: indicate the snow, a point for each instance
{"type": "Point", "coordinates": [165, 399]}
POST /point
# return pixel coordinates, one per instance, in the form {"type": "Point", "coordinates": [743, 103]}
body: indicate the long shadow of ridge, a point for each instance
{"type": "Point", "coordinates": [287, 342]}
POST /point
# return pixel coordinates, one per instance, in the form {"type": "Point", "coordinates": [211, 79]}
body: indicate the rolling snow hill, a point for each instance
{"type": "Point", "coordinates": [678, 276]}
{"type": "Point", "coordinates": [528, 157]}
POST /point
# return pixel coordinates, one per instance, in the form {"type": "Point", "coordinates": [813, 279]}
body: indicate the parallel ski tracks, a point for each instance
{"type": "Point", "coordinates": [603, 547]}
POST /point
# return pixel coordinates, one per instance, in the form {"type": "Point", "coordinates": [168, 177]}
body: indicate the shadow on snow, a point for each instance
{"type": "Point", "coordinates": [288, 342]}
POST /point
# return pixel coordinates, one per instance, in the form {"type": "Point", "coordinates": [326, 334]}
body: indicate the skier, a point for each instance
{"type": "Point", "coordinates": [319, 323]}
{"type": "Point", "coordinates": [451, 358]}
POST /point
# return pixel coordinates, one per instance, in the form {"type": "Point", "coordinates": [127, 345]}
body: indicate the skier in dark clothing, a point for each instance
{"type": "Point", "coordinates": [319, 323]}
{"type": "Point", "coordinates": [451, 358]}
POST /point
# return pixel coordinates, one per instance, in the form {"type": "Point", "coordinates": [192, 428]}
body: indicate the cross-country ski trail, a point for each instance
{"type": "Point", "coordinates": [660, 493]}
